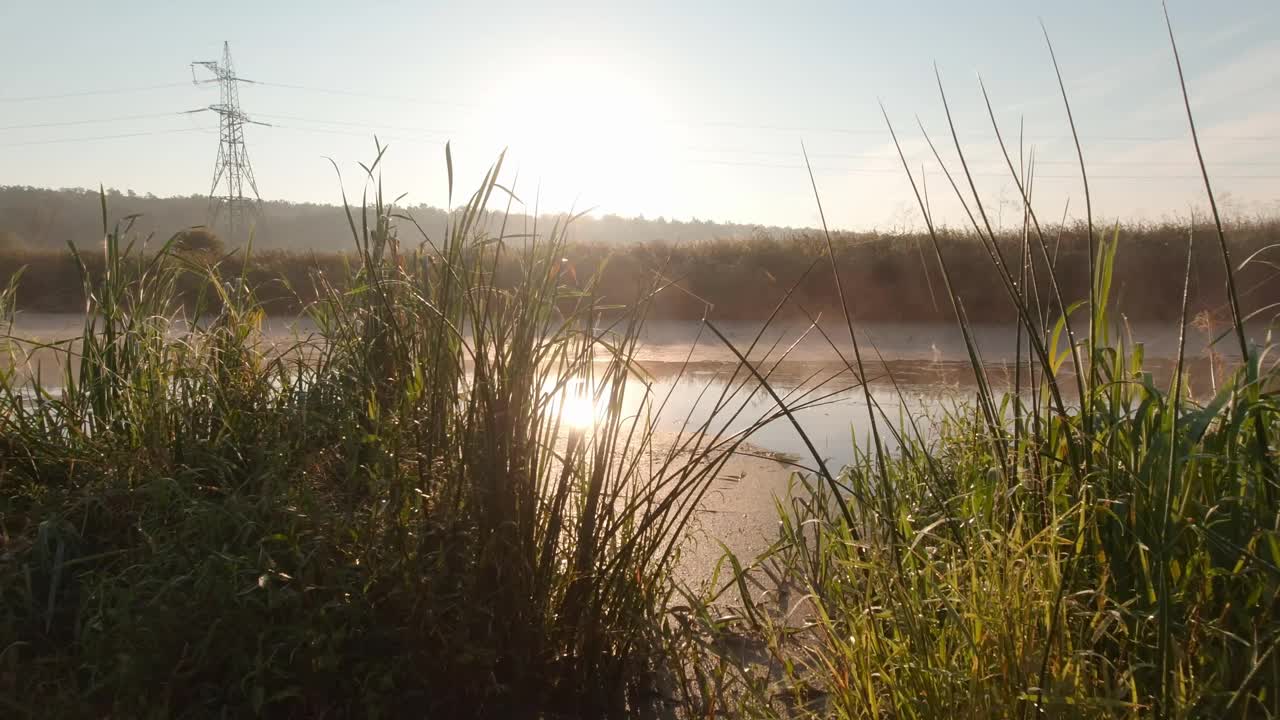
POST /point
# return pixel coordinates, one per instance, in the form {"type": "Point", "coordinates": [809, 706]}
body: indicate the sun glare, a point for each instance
{"type": "Point", "coordinates": [585, 129]}
{"type": "Point", "coordinates": [575, 404]}
{"type": "Point", "coordinates": [578, 412]}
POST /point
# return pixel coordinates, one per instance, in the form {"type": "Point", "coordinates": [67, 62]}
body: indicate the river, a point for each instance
{"type": "Point", "coordinates": [920, 370]}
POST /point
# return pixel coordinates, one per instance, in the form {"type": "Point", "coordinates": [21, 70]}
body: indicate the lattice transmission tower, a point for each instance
{"type": "Point", "coordinates": [232, 170]}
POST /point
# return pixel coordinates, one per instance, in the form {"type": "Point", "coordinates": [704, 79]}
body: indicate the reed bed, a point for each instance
{"type": "Point", "coordinates": [1108, 549]}
{"type": "Point", "coordinates": [890, 277]}
{"type": "Point", "coordinates": [388, 517]}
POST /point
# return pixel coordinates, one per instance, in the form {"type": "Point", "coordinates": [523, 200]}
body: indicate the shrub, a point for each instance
{"type": "Point", "coordinates": [199, 240]}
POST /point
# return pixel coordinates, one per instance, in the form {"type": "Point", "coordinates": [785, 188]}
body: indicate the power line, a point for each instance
{"type": "Point", "coordinates": [438, 134]}
{"type": "Point", "coordinates": [799, 129]}
{"type": "Point", "coordinates": [1038, 176]}
{"type": "Point", "coordinates": [86, 93]}
{"type": "Point", "coordinates": [443, 134]}
{"type": "Point", "coordinates": [853, 170]}
{"type": "Point", "coordinates": [426, 131]}
{"type": "Point", "coordinates": [729, 124]}
{"type": "Point", "coordinates": [847, 170]}
{"type": "Point", "coordinates": [95, 138]}
{"type": "Point", "coordinates": [1083, 138]}
{"type": "Point", "coordinates": [372, 96]}
{"type": "Point", "coordinates": [702, 161]}
{"type": "Point", "coordinates": [89, 121]}
{"type": "Point", "coordinates": [897, 165]}
{"type": "Point", "coordinates": [446, 134]}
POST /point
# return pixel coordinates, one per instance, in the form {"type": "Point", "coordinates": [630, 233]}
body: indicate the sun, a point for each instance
{"type": "Point", "coordinates": [583, 126]}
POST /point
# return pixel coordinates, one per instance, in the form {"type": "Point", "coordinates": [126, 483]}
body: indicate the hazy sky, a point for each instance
{"type": "Point", "coordinates": [679, 109]}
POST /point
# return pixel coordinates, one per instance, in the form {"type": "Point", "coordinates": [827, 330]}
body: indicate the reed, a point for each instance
{"type": "Point", "coordinates": [1095, 545]}
{"type": "Point", "coordinates": [889, 277]}
{"type": "Point", "coordinates": [388, 516]}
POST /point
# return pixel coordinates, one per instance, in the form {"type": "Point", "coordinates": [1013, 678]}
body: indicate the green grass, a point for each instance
{"type": "Point", "coordinates": [390, 518]}
{"type": "Point", "coordinates": [1091, 544]}
{"type": "Point", "coordinates": [1144, 579]}
{"type": "Point", "coordinates": [386, 518]}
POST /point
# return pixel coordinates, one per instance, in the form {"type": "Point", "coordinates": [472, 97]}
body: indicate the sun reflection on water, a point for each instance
{"type": "Point", "coordinates": [578, 412]}
{"type": "Point", "coordinates": [577, 403]}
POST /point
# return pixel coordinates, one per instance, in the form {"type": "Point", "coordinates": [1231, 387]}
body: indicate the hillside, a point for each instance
{"type": "Point", "coordinates": [42, 219]}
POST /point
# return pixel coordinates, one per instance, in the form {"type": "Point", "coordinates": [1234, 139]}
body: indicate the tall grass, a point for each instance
{"type": "Point", "coordinates": [1108, 552]}
{"type": "Point", "coordinates": [389, 517]}
{"type": "Point", "coordinates": [393, 516]}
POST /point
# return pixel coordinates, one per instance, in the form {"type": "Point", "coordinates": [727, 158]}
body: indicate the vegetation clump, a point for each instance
{"type": "Point", "coordinates": [1085, 543]}
{"type": "Point", "coordinates": [386, 518]}
{"type": "Point", "coordinates": [199, 240]}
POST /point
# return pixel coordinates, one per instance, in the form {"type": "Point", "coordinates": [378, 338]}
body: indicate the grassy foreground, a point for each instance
{"type": "Point", "coordinates": [1120, 558]}
{"type": "Point", "coordinates": [386, 519]}
{"type": "Point", "coordinates": [1090, 544]}
{"type": "Point", "coordinates": [390, 519]}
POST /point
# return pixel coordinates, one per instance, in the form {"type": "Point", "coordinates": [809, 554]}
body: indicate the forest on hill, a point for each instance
{"type": "Point", "coordinates": [43, 219]}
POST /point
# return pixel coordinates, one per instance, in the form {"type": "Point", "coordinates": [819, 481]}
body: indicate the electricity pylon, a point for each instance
{"type": "Point", "coordinates": [232, 170]}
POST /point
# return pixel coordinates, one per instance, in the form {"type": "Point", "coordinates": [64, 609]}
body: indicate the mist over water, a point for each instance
{"type": "Point", "coordinates": [914, 371]}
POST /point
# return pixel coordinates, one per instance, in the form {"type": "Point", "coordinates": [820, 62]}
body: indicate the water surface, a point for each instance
{"type": "Point", "coordinates": [917, 370]}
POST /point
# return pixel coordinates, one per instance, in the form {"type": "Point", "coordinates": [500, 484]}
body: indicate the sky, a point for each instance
{"type": "Point", "coordinates": [675, 109]}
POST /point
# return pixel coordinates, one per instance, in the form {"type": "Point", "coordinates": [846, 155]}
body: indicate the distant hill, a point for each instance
{"type": "Point", "coordinates": [42, 219]}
